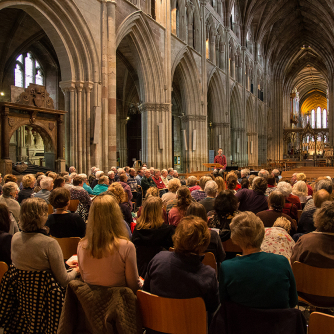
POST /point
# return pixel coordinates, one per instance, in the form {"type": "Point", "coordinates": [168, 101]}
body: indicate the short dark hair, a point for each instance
{"type": "Point", "coordinates": [123, 177]}
{"type": "Point", "coordinates": [58, 182]}
{"type": "Point", "coordinates": [276, 201]}
{"type": "Point", "coordinates": [198, 210]}
{"type": "Point", "coordinates": [77, 180]}
{"type": "Point", "coordinates": [4, 218]}
{"type": "Point", "coordinates": [271, 180]}
{"type": "Point", "coordinates": [226, 203]}
{"type": "Point", "coordinates": [244, 183]}
{"type": "Point", "coordinates": [259, 185]}
{"type": "Point", "coordinates": [59, 197]}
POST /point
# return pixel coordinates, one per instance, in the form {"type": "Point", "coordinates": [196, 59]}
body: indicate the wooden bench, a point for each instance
{"type": "Point", "coordinates": [312, 173]}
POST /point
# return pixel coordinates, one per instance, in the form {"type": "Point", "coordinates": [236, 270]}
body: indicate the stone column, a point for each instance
{"type": "Point", "coordinates": [88, 88]}
{"type": "Point", "coordinates": [213, 47]}
{"type": "Point", "coordinates": [5, 162]}
{"type": "Point", "coordinates": [79, 126]}
{"type": "Point", "coordinates": [190, 12]}
{"type": "Point", "coordinates": [123, 147]}
{"type": "Point", "coordinates": [60, 162]}
{"type": "Point", "coordinates": [330, 122]}
{"type": "Point", "coordinates": [217, 51]}
{"type": "Point", "coordinates": [222, 60]}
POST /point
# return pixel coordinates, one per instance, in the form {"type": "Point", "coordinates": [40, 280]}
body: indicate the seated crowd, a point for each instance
{"type": "Point", "coordinates": [150, 230]}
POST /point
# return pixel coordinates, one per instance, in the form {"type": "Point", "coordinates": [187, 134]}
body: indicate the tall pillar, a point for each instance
{"type": "Point", "coordinates": [79, 125]}
{"type": "Point", "coordinates": [88, 134]}
{"type": "Point", "coordinates": [60, 162]}
{"type": "Point", "coordinates": [5, 162]}
{"type": "Point", "coordinates": [190, 12]}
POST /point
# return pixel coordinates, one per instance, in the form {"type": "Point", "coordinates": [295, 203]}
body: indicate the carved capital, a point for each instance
{"type": "Point", "coordinates": [88, 86]}
{"type": "Point", "coordinates": [196, 118]}
{"type": "Point", "coordinates": [163, 107]}
{"type": "Point", "coordinates": [221, 125]}
{"type": "Point", "coordinates": [79, 86]}
{"type": "Point", "coordinates": [67, 86]}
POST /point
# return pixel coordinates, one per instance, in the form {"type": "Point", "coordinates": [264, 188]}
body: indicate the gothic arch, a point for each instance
{"type": "Point", "coordinates": [150, 71]}
{"type": "Point", "coordinates": [69, 33]}
{"type": "Point", "coordinates": [216, 98]}
{"type": "Point", "coordinates": [236, 118]}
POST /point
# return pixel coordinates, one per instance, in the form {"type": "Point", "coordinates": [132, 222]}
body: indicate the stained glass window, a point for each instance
{"type": "Point", "coordinates": [324, 118]}
{"type": "Point", "coordinates": [319, 118]}
{"type": "Point", "coordinates": [313, 119]}
{"type": "Point", "coordinates": [28, 70]}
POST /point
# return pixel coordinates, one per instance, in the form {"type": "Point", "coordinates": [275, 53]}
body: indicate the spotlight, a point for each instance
{"type": "Point", "coordinates": [127, 118]}
{"type": "Point", "coordinates": [2, 93]}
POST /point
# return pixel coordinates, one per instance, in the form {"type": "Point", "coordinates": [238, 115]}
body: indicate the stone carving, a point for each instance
{"type": "Point", "coordinates": [36, 96]}
{"type": "Point", "coordinates": [11, 121]}
{"type": "Point", "coordinates": [51, 126]}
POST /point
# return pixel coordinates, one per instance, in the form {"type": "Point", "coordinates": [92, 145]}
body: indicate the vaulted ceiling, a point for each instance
{"type": "Point", "coordinates": [296, 39]}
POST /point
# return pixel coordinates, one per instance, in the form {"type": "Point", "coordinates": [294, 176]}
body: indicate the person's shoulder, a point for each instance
{"type": "Point", "coordinates": [126, 244]}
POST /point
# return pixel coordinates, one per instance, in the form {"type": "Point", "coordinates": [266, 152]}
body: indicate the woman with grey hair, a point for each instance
{"type": "Point", "coordinates": [292, 203]}
{"type": "Point", "coordinates": [300, 190]}
{"type": "Point", "coordinates": [9, 193]}
{"type": "Point", "coordinates": [85, 183]}
{"type": "Point", "coordinates": [256, 279]}
{"type": "Point", "coordinates": [211, 189]}
{"type": "Point", "coordinates": [47, 186]}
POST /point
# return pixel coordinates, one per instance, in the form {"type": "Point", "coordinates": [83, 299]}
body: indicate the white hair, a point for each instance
{"type": "Point", "coordinates": [263, 173]}
{"type": "Point", "coordinates": [164, 171]}
{"type": "Point", "coordinates": [284, 188]}
{"type": "Point", "coordinates": [120, 171]}
{"type": "Point", "coordinates": [84, 176]}
{"type": "Point", "coordinates": [275, 172]}
{"type": "Point", "coordinates": [300, 189]}
{"type": "Point", "coordinates": [211, 188]}
{"type": "Point", "coordinates": [245, 172]}
{"type": "Point", "coordinates": [111, 172]}
{"type": "Point", "coordinates": [73, 175]}
{"type": "Point", "coordinates": [46, 182]}
{"type": "Point", "coordinates": [99, 173]}
{"type": "Point", "coordinates": [175, 171]}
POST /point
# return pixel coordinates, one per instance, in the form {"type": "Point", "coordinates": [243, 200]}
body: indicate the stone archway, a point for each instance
{"type": "Point", "coordinates": [33, 107]}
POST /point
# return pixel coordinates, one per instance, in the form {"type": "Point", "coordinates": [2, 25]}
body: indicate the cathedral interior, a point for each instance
{"type": "Point", "coordinates": [166, 82]}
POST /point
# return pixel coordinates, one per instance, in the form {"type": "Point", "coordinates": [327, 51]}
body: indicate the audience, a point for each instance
{"type": "Point", "coordinates": [181, 274]}
{"type": "Point", "coordinates": [62, 223]}
{"type": "Point", "coordinates": [106, 256]}
{"type": "Point", "coordinates": [192, 183]}
{"type": "Point", "coordinates": [102, 186]}
{"type": "Point", "coordinates": [244, 183]}
{"type": "Point", "coordinates": [232, 182]}
{"type": "Point", "coordinates": [151, 235]}
{"type": "Point", "coordinates": [46, 187]}
{"type": "Point", "coordinates": [256, 279]}
{"type": "Point", "coordinates": [59, 182]}
{"type": "Point", "coordinates": [271, 181]}
{"type": "Point", "coordinates": [277, 239]}
{"type": "Point", "coordinates": [290, 206]}
{"type": "Point", "coordinates": [173, 186]}
{"type": "Point", "coordinates": [9, 193]}
{"type": "Point", "coordinates": [85, 184]}
{"type": "Point", "coordinates": [28, 183]}
{"type": "Point", "coordinates": [211, 190]}
{"type": "Point", "coordinates": [302, 177]}
{"type": "Point", "coordinates": [200, 194]}
{"type": "Point", "coordinates": [321, 183]}
{"type": "Point", "coordinates": [183, 201]}
{"type": "Point", "coordinates": [220, 183]}
{"type": "Point", "coordinates": [32, 249]}
{"type": "Point", "coordinates": [147, 182]}
{"type": "Point", "coordinates": [215, 246]}
{"type": "Point", "coordinates": [254, 199]}
{"type": "Point", "coordinates": [78, 192]}
{"type": "Point", "coordinates": [123, 179]}
{"type": "Point", "coordinates": [300, 190]}
{"type": "Point", "coordinates": [5, 235]}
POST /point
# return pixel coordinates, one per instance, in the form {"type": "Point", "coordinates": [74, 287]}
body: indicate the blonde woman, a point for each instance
{"type": "Point", "coordinates": [106, 257]}
{"type": "Point", "coordinates": [173, 186]}
{"type": "Point", "coordinates": [151, 235]}
{"type": "Point", "coordinates": [116, 190]}
{"type": "Point", "coordinates": [28, 183]}
{"type": "Point", "coordinates": [220, 183]}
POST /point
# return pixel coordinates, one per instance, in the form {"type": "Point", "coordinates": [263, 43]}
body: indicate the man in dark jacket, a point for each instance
{"type": "Point", "coordinates": [147, 182]}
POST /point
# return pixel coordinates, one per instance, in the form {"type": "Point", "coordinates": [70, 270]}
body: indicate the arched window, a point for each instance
{"type": "Point", "coordinates": [27, 71]}
{"type": "Point", "coordinates": [232, 19]}
{"type": "Point", "coordinates": [313, 119]}
{"type": "Point", "coordinates": [318, 118]}
{"type": "Point", "coordinates": [324, 118]}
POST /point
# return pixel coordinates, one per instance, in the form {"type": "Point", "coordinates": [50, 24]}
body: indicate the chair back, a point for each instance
{"type": "Point", "coordinates": [73, 205]}
{"type": "Point", "coordinates": [229, 246]}
{"type": "Point", "coordinates": [321, 323]}
{"type": "Point", "coordinates": [210, 260]}
{"type": "Point", "coordinates": [299, 213]}
{"type": "Point", "coordinates": [175, 316]}
{"type": "Point", "coordinates": [68, 246]}
{"type": "Point", "coordinates": [312, 280]}
{"type": "Point", "coordinates": [3, 269]}
{"type": "Point", "coordinates": [50, 209]}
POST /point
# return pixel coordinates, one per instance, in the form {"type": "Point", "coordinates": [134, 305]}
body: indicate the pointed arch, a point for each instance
{"type": "Point", "coordinates": [236, 108]}
{"type": "Point", "coordinates": [150, 72]}
{"type": "Point", "coordinates": [216, 98]}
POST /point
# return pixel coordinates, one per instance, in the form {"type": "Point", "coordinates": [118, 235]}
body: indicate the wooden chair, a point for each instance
{"type": "Point", "coordinates": [175, 316]}
{"type": "Point", "coordinates": [50, 209]}
{"type": "Point", "coordinates": [73, 205]}
{"type": "Point", "coordinates": [299, 214]}
{"type": "Point", "coordinates": [210, 260]}
{"type": "Point", "coordinates": [229, 246]}
{"type": "Point", "coordinates": [321, 323]}
{"type": "Point", "coordinates": [3, 269]}
{"type": "Point", "coordinates": [68, 246]}
{"type": "Point", "coordinates": [313, 281]}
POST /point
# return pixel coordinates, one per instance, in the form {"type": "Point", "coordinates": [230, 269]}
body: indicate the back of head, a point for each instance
{"type": "Point", "coordinates": [77, 181]}
{"type": "Point", "coordinates": [9, 178]}
{"type": "Point", "coordinates": [174, 185]}
{"type": "Point", "coordinates": [59, 197]}
{"type": "Point", "coordinates": [301, 177]}
{"type": "Point", "coordinates": [211, 188]}
{"type": "Point", "coordinates": [324, 184]}
{"type": "Point", "coordinates": [271, 180]}
{"type": "Point", "coordinates": [300, 189]}
{"type": "Point", "coordinates": [198, 210]}
{"type": "Point", "coordinates": [53, 175]}
{"type": "Point", "coordinates": [284, 188]}
{"type": "Point", "coordinates": [99, 173]}
{"type": "Point", "coordinates": [151, 214]}
{"type": "Point", "coordinates": [320, 197]}
{"type": "Point", "coordinates": [276, 201]}
{"type": "Point", "coordinates": [105, 226]}
{"type": "Point", "coordinates": [324, 217]}
{"type": "Point", "coordinates": [283, 223]}
{"type": "Point", "coordinates": [231, 180]}
{"type": "Point", "coordinates": [104, 179]}
{"type": "Point", "coordinates": [251, 179]}
{"type": "Point", "coordinates": [183, 198]}
{"type": "Point", "coordinates": [58, 182]}
{"type": "Point", "coordinates": [9, 188]}
{"type": "Point", "coordinates": [33, 214]}
{"type": "Point", "coordinates": [275, 172]}
{"type": "Point", "coordinates": [259, 185]}
{"type": "Point", "coordinates": [28, 180]}
{"type": "Point", "coordinates": [118, 192]}
{"type": "Point", "coordinates": [203, 180]}
{"type": "Point", "coordinates": [46, 182]}
{"type": "Point", "coordinates": [191, 181]}
{"type": "Point", "coordinates": [226, 203]}
{"type": "Point", "coordinates": [263, 173]}
{"type": "Point", "coordinates": [244, 183]}
{"type": "Point", "coordinates": [123, 177]}
{"type": "Point", "coordinates": [152, 191]}
{"type": "Point", "coordinates": [191, 236]}
{"type": "Point", "coordinates": [247, 230]}
{"type": "Point", "coordinates": [4, 218]}
{"type": "Point", "coordinates": [220, 183]}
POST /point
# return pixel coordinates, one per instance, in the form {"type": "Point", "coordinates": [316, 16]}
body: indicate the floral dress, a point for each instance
{"type": "Point", "coordinates": [277, 241]}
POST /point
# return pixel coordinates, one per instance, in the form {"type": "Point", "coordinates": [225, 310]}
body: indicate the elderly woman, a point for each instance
{"type": "Point", "coordinates": [302, 177]}
{"type": "Point", "coordinates": [181, 274]}
{"type": "Point", "coordinates": [316, 248]}
{"type": "Point", "coordinates": [277, 239]}
{"type": "Point", "coordinates": [164, 178]}
{"type": "Point", "coordinates": [200, 194]}
{"type": "Point", "coordinates": [183, 201]}
{"type": "Point", "coordinates": [78, 192]}
{"type": "Point", "coordinates": [9, 193]}
{"type": "Point", "coordinates": [98, 174]}
{"type": "Point", "coordinates": [32, 249]}
{"type": "Point", "coordinates": [192, 183]}
{"type": "Point", "coordinates": [292, 203]}
{"type": "Point", "coordinates": [59, 182]}
{"type": "Point", "coordinates": [300, 190]}
{"type": "Point", "coordinates": [102, 185]}
{"type": "Point", "coordinates": [46, 187]}
{"type": "Point", "coordinates": [220, 183]}
{"type": "Point", "coordinates": [254, 199]}
{"type": "Point", "coordinates": [225, 208]}
{"type": "Point", "coordinates": [256, 279]}
{"type": "Point", "coordinates": [276, 202]}
{"type": "Point", "coordinates": [85, 184]}
{"type": "Point", "coordinates": [173, 186]}
{"type": "Point", "coordinates": [211, 189]}
{"type": "Point", "coordinates": [28, 183]}
{"type": "Point", "coordinates": [271, 184]}
{"type": "Point", "coordinates": [232, 182]}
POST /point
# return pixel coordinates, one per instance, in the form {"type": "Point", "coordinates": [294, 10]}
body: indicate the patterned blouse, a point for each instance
{"type": "Point", "coordinates": [277, 241]}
